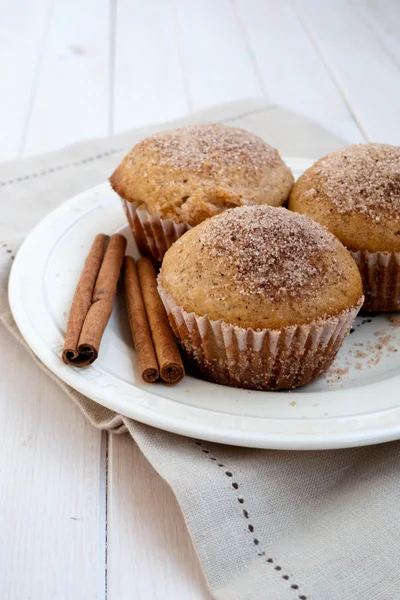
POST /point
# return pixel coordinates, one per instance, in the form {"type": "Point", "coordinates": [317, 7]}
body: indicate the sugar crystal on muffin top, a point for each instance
{"type": "Point", "coordinates": [364, 179]}
{"type": "Point", "coordinates": [211, 148]}
{"type": "Point", "coordinates": [274, 252]}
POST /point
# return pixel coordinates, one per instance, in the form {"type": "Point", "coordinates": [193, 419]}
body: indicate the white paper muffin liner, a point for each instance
{"type": "Point", "coordinates": [380, 273]}
{"type": "Point", "coordinates": [264, 360]}
{"type": "Point", "coordinates": [153, 235]}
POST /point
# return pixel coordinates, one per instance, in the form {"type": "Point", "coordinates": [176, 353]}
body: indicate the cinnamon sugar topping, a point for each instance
{"type": "Point", "coordinates": [274, 252]}
{"type": "Point", "coordinates": [363, 178]}
{"type": "Point", "coordinates": [211, 148]}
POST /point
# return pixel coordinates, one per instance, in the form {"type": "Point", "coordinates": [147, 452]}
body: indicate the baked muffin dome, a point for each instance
{"type": "Point", "coordinates": [261, 267]}
{"type": "Point", "coordinates": [195, 172]}
{"type": "Point", "coordinates": [355, 193]}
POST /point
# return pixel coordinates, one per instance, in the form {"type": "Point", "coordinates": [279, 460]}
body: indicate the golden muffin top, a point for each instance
{"type": "Point", "coordinates": [192, 173]}
{"type": "Point", "coordinates": [356, 194]}
{"type": "Point", "coordinates": [261, 267]}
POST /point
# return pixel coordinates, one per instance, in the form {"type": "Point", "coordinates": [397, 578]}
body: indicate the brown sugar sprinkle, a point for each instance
{"type": "Point", "coordinates": [334, 375]}
{"type": "Point", "coordinates": [371, 356]}
{"type": "Point", "coordinates": [274, 252]}
{"type": "Point", "coordinates": [394, 320]}
{"type": "Point", "coordinates": [210, 148]}
{"type": "Point", "coordinates": [364, 179]}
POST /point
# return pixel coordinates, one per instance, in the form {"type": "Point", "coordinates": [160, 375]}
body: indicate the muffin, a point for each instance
{"type": "Point", "coordinates": [355, 193]}
{"type": "Point", "coordinates": [176, 179]}
{"type": "Point", "coordinates": [260, 297]}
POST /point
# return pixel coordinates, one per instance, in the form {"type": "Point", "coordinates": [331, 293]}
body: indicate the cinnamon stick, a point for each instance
{"type": "Point", "coordinates": [168, 357]}
{"type": "Point", "coordinates": [82, 299]}
{"type": "Point", "coordinates": [93, 300]}
{"type": "Point", "coordinates": [138, 322]}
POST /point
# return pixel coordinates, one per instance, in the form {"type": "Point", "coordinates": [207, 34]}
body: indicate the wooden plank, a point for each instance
{"type": "Point", "coordinates": [51, 537]}
{"type": "Point", "coordinates": [23, 26]}
{"type": "Point", "coordinates": [216, 58]}
{"type": "Point", "coordinates": [149, 553]}
{"type": "Point", "coordinates": [292, 71]}
{"type": "Point", "coordinates": [383, 19]}
{"type": "Point", "coordinates": [149, 85]}
{"type": "Point", "coordinates": [71, 99]}
{"type": "Point", "coordinates": [361, 68]}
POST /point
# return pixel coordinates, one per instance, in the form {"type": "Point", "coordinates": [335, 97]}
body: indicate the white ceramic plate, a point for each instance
{"type": "Point", "coordinates": [358, 403]}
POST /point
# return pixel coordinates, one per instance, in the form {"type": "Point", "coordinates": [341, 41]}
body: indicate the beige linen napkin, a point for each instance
{"type": "Point", "coordinates": [266, 525]}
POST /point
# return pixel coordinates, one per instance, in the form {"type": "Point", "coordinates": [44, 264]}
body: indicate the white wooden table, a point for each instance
{"type": "Point", "coordinates": [82, 514]}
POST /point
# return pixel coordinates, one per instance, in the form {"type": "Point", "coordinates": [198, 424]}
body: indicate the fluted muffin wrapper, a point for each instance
{"type": "Point", "coordinates": [380, 273]}
{"type": "Point", "coordinates": [258, 359]}
{"type": "Point", "coordinates": [152, 234]}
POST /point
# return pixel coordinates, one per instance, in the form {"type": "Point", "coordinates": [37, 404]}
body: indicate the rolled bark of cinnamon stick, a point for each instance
{"type": "Point", "coordinates": [167, 352]}
{"type": "Point", "coordinates": [98, 282]}
{"type": "Point", "coordinates": [82, 301]}
{"type": "Point", "coordinates": [141, 335]}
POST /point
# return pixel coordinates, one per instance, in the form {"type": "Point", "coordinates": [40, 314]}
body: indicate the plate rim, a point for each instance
{"type": "Point", "coordinates": [280, 441]}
